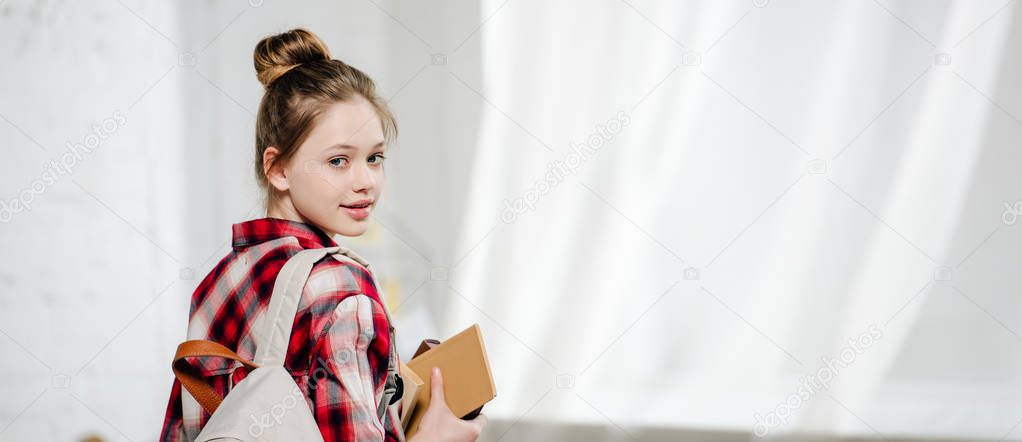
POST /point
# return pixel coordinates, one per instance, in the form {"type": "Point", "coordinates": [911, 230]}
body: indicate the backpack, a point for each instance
{"type": "Point", "coordinates": [268, 405]}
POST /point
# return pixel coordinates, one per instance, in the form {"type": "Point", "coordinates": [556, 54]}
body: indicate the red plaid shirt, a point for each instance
{"type": "Point", "coordinates": [340, 340]}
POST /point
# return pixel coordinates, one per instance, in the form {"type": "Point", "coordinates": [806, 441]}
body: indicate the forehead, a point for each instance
{"type": "Point", "coordinates": [354, 123]}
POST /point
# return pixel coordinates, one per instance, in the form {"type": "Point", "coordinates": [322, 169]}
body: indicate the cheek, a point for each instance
{"type": "Point", "coordinates": [314, 187]}
{"type": "Point", "coordinates": [380, 180]}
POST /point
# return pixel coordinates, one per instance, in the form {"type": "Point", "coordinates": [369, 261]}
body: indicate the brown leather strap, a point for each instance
{"type": "Point", "coordinates": [189, 377]}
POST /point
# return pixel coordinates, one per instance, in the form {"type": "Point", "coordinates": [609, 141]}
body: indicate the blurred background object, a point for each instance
{"type": "Point", "coordinates": [697, 220]}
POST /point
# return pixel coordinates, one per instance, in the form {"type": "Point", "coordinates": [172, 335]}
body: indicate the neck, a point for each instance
{"type": "Point", "coordinates": [281, 207]}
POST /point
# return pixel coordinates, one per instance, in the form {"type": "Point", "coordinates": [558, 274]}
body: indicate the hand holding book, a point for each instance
{"type": "Point", "coordinates": [438, 422]}
{"type": "Point", "coordinates": [429, 408]}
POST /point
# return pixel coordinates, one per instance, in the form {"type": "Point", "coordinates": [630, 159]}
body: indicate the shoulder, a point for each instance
{"type": "Point", "coordinates": [346, 313]}
{"type": "Point", "coordinates": [337, 289]}
{"type": "Point", "coordinates": [331, 276]}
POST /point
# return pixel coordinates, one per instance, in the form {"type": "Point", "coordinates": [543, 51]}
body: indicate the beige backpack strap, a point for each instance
{"type": "Point", "coordinates": [272, 329]}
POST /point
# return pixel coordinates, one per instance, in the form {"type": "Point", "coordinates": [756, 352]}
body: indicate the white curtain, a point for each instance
{"type": "Point", "coordinates": [788, 176]}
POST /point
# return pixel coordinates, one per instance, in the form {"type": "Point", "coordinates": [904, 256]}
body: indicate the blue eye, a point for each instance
{"type": "Point", "coordinates": [380, 156]}
{"type": "Point", "coordinates": [337, 161]}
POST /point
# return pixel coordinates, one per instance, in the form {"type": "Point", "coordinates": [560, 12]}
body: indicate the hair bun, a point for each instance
{"type": "Point", "coordinates": [277, 54]}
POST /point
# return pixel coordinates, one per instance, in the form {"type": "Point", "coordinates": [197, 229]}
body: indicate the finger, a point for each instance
{"type": "Point", "coordinates": [437, 386]}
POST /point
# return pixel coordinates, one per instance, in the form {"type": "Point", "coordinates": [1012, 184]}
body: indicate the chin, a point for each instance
{"type": "Point", "coordinates": [352, 230]}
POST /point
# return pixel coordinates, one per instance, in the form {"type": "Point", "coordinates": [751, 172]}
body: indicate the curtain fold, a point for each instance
{"type": "Point", "coordinates": [789, 200]}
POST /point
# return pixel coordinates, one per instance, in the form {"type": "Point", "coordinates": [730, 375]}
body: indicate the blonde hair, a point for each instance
{"type": "Point", "coordinates": [301, 80]}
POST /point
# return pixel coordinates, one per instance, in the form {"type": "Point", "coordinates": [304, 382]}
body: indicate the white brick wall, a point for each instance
{"type": "Point", "coordinates": [90, 270]}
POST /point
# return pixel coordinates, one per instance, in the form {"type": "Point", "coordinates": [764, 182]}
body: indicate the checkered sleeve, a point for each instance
{"type": "Point", "coordinates": [342, 387]}
{"type": "Point", "coordinates": [173, 428]}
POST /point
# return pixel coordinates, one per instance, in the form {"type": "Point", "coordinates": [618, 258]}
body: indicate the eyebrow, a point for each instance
{"type": "Point", "coordinates": [350, 147]}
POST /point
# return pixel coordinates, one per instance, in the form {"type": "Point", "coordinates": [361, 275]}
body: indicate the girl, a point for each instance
{"type": "Point", "coordinates": [321, 136]}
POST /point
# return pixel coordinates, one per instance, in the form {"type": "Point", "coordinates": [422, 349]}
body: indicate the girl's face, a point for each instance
{"type": "Point", "coordinates": [336, 176]}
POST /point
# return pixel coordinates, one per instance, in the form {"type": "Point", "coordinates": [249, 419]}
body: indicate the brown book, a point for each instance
{"type": "Point", "coordinates": [468, 381]}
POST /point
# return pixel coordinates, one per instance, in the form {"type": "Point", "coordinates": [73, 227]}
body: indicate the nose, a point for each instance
{"type": "Point", "coordinates": [363, 178]}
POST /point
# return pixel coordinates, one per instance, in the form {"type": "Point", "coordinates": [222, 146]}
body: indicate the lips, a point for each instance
{"type": "Point", "coordinates": [358, 210]}
{"type": "Point", "coordinates": [358, 204]}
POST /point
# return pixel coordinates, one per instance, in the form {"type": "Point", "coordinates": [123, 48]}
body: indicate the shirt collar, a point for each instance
{"type": "Point", "coordinates": [267, 229]}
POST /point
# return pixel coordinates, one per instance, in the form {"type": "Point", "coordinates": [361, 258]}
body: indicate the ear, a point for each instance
{"type": "Point", "coordinates": [274, 170]}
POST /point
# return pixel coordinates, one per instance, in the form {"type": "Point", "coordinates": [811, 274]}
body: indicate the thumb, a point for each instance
{"type": "Point", "coordinates": [436, 387]}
